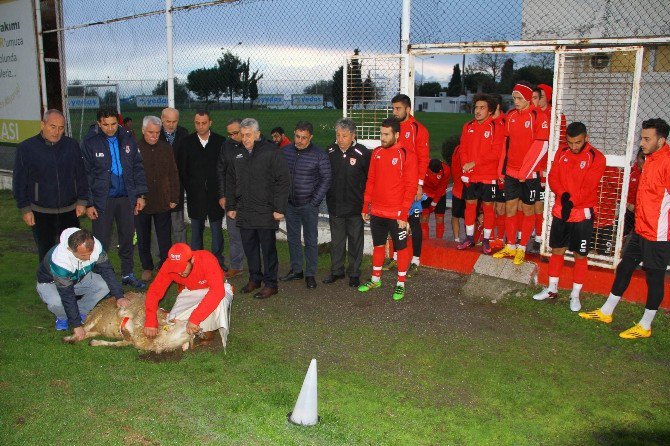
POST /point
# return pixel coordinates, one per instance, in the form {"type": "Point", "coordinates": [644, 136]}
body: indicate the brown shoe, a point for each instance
{"type": "Point", "coordinates": [232, 273]}
{"type": "Point", "coordinates": [147, 275]}
{"type": "Point", "coordinates": [250, 286]}
{"type": "Point", "coordinates": [265, 293]}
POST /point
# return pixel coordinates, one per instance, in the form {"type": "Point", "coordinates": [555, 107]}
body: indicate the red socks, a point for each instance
{"type": "Point", "coordinates": [510, 230]}
{"type": "Point", "coordinates": [377, 260]}
{"type": "Point", "coordinates": [539, 220]}
{"type": "Point", "coordinates": [403, 264]}
{"type": "Point", "coordinates": [579, 273]}
{"type": "Point", "coordinates": [500, 226]}
{"type": "Point", "coordinates": [555, 265]}
{"type": "Point", "coordinates": [439, 226]}
{"type": "Point", "coordinates": [489, 216]}
{"type": "Point", "coordinates": [470, 214]}
{"type": "Point", "coordinates": [527, 229]}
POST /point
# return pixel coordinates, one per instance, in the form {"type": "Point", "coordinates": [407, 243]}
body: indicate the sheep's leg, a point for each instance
{"type": "Point", "coordinates": [101, 343]}
{"type": "Point", "coordinates": [89, 334]}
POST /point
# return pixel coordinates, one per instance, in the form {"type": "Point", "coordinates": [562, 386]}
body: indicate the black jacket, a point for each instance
{"type": "Point", "coordinates": [310, 174]}
{"type": "Point", "coordinates": [198, 174]}
{"type": "Point", "coordinates": [180, 134]}
{"type": "Point", "coordinates": [350, 173]}
{"type": "Point", "coordinates": [257, 184]}
{"type": "Point", "coordinates": [226, 156]}
{"type": "Point", "coordinates": [49, 178]}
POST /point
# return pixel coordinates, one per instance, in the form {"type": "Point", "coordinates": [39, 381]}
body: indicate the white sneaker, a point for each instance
{"type": "Point", "coordinates": [545, 294]}
{"type": "Point", "coordinates": [575, 304]}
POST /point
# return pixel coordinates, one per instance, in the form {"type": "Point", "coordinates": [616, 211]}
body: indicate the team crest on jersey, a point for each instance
{"type": "Point", "coordinates": [394, 161]}
{"type": "Point", "coordinates": [127, 149]}
{"type": "Point", "coordinates": [582, 164]}
{"type": "Point", "coordinates": [439, 177]}
{"type": "Point", "coordinates": [487, 134]}
{"type": "Point", "coordinates": [352, 161]}
{"type": "Point", "coordinates": [545, 125]}
{"type": "Point", "coordinates": [527, 124]}
{"type": "Point", "coordinates": [406, 135]}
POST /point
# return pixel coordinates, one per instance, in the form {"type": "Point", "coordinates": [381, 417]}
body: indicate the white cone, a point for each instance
{"type": "Point", "coordinates": [305, 411]}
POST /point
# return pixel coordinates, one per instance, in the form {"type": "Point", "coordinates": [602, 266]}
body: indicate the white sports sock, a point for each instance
{"type": "Point", "coordinates": [647, 318]}
{"type": "Point", "coordinates": [538, 238]}
{"type": "Point", "coordinates": [523, 248]}
{"type": "Point", "coordinates": [469, 229]}
{"type": "Point", "coordinates": [376, 279]}
{"type": "Point", "coordinates": [553, 284]}
{"type": "Point", "coordinates": [487, 233]}
{"type": "Point", "coordinates": [518, 235]}
{"type": "Point", "coordinates": [576, 289]}
{"type": "Point", "coordinates": [416, 261]}
{"type": "Point", "coordinates": [402, 284]}
{"type": "Point", "coordinates": [457, 239]}
{"type": "Point", "coordinates": [610, 304]}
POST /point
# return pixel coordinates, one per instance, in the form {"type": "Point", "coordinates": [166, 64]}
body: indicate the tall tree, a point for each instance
{"type": "Point", "coordinates": [338, 87]}
{"type": "Point", "coordinates": [454, 87]}
{"type": "Point", "coordinates": [490, 63]}
{"type": "Point", "coordinates": [370, 91]}
{"type": "Point", "coordinates": [204, 83]}
{"type": "Point", "coordinates": [248, 80]}
{"type": "Point", "coordinates": [430, 89]}
{"type": "Point", "coordinates": [506, 77]}
{"type": "Point", "coordinates": [253, 91]}
{"type": "Point", "coordinates": [542, 60]}
{"type": "Point", "coordinates": [354, 80]}
{"type": "Point", "coordinates": [534, 74]}
{"type": "Point", "coordinates": [324, 87]}
{"type": "Point", "coordinates": [230, 72]}
{"type": "Point", "coordinates": [180, 90]}
{"type": "Point", "coordinates": [476, 81]}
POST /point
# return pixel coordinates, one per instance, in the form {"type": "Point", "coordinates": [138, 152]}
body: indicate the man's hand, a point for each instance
{"type": "Point", "coordinates": [192, 329]}
{"type": "Point", "coordinates": [172, 205]}
{"type": "Point", "coordinates": [402, 224]}
{"type": "Point", "coordinates": [567, 206]}
{"type": "Point", "coordinates": [80, 210]}
{"type": "Point", "coordinates": [232, 214]}
{"type": "Point", "coordinates": [222, 202]}
{"type": "Point", "coordinates": [29, 218]}
{"type": "Point", "coordinates": [79, 333]}
{"type": "Point", "coordinates": [277, 216]}
{"type": "Point", "coordinates": [150, 332]}
{"type": "Point", "coordinates": [122, 302]}
{"type": "Point", "coordinates": [139, 205]}
{"type": "Point", "coordinates": [91, 213]}
{"type": "Point", "coordinates": [419, 193]}
{"type": "Point", "coordinates": [467, 167]}
{"type": "Point", "coordinates": [366, 218]}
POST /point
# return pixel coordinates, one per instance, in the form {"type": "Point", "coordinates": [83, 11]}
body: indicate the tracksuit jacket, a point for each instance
{"type": "Point", "coordinates": [435, 184]}
{"type": "Point", "coordinates": [579, 175]}
{"type": "Point", "coordinates": [652, 205]}
{"type": "Point", "coordinates": [527, 134]}
{"type": "Point", "coordinates": [391, 185]}
{"type": "Point", "coordinates": [349, 175]}
{"type": "Point", "coordinates": [482, 143]}
{"type": "Point", "coordinates": [414, 137]}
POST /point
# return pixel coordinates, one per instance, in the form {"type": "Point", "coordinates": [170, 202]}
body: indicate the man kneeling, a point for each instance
{"type": "Point", "coordinates": [201, 299]}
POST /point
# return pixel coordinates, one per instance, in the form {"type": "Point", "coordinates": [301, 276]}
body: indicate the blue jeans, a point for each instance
{"type": "Point", "coordinates": [197, 231]}
{"type": "Point", "coordinates": [305, 218]}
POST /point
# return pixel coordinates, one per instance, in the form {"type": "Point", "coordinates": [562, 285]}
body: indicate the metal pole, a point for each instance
{"type": "Point", "coordinates": [345, 86]}
{"type": "Point", "coordinates": [404, 26]}
{"type": "Point", "coordinates": [40, 58]}
{"type": "Point", "coordinates": [170, 52]}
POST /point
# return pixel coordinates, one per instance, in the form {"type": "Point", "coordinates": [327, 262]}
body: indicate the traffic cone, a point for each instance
{"type": "Point", "coordinates": [305, 411]}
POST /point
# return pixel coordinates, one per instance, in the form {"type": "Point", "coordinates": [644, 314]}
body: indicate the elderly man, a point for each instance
{"type": "Point", "coordinates": [349, 163]}
{"type": "Point", "coordinates": [257, 188]}
{"type": "Point", "coordinates": [163, 195]}
{"type": "Point", "coordinates": [118, 186]}
{"type": "Point", "coordinates": [199, 154]}
{"type": "Point", "coordinates": [225, 160]}
{"type": "Point", "coordinates": [309, 168]}
{"type": "Point", "coordinates": [49, 182]}
{"type": "Point", "coordinates": [73, 277]}
{"type": "Point", "coordinates": [173, 133]}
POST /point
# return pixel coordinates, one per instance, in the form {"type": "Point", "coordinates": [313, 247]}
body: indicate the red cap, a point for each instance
{"type": "Point", "coordinates": [524, 90]}
{"type": "Point", "coordinates": [548, 91]}
{"type": "Point", "coordinates": [178, 257]}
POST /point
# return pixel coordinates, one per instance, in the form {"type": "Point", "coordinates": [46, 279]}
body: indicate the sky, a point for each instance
{"type": "Point", "coordinates": [293, 43]}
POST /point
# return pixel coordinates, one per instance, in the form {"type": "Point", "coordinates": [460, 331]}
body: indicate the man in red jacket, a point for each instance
{"type": "Point", "coordinates": [203, 299]}
{"type": "Point", "coordinates": [527, 131]}
{"type": "Point", "coordinates": [435, 185]}
{"type": "Point", "coordinates": [482, 141]}
{"type": "Point", "coordinates": [389, 192]}
{"type": "Point", "coordinates": [574, 177]}
{"type": "Point", "coordinates": [650, 241]}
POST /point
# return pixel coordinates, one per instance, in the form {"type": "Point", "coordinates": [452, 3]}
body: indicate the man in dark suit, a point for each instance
{"type": "Point", "coordinates": [199, 153]}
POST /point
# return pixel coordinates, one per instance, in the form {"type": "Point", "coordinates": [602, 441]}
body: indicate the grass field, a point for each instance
{"type": "Point", "coordinates": [440, 125]}
{"type": "Point", "coordinates": [436, 368]}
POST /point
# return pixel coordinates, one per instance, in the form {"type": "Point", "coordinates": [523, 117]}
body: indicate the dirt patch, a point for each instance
{"type": "Point", "coordinates": [60, 384]}
{"type": "Point", "coordinates": [19, 241]}
{"type": "Point", "coordinates": [174, 356]}
{"type": "Point", "coordinates": [134, 438]}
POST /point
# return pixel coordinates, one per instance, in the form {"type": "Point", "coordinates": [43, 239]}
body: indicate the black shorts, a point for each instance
{"type": "Point", "coordinates": [481, 191]}
{"type": "Point", "coordinates": [457, 207]}
{"type": "Point", "coordinates": [441, 204]}
{"type": "Point", "coordinates": [654, 254]}
{"type": "Point", "coordinates": [528, 191]}
{"type": "Point", "coordinates": [500, 196]}
{"type": "Point", "coordinates": [381, 227]}
{"type": "Point", "coordinates": [574, 236]}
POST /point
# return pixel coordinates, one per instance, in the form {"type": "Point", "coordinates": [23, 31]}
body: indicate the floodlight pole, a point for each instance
{"type": "Point", "coordinates": [170, 52]}
{"type": "Point", "coordinates": [404, 47]}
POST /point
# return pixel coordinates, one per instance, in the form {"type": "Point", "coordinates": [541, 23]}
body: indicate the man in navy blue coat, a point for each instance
{"type": "Point", "coordinates": [117, 186]}
{"type": "Point", "coordinates": [309, 168]}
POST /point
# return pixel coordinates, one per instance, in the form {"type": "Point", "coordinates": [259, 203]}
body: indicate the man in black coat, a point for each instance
{"type": "Point", "coordinates": [49, 182]}
{"type": "Point", "coordinates": [257, 187]}
{"type": "Point", "coordinates": [173, 133]}
{"type": "Point", "coordinates": [199, 153]}
{"type": "Point", "coordinates": [309, 168]}
{"type": "Point", "coordinates": [349, 163]}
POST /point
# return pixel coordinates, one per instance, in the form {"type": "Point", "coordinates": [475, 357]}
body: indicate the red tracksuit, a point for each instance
{"type": "Point", "coordinates": [527, 134]}
{"type": "Point", "coordinates": [435, 184]}
{"type": "Point", "coordinates": [579, 175]}
{"type": "Point", "coordinates": [456, 172]}
{"type": "Point", "coordinates": [652, 205]}
{"type": "Point", "coordinates": [414, 137]}
{"type": "Point", "coordinates": [206, 273]}
{"type": "Point", "coordinates": [391, 183]}
{"type": "Point", "coordinates": [482, 144]}
{"type": "Point", "coordinates": [633, 183]}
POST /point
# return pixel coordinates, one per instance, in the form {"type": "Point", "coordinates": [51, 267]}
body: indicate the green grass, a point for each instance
{"type": "Point", "coordinates": [440, 125]}
{"type": "Point", "coordinates": [437, 368]}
